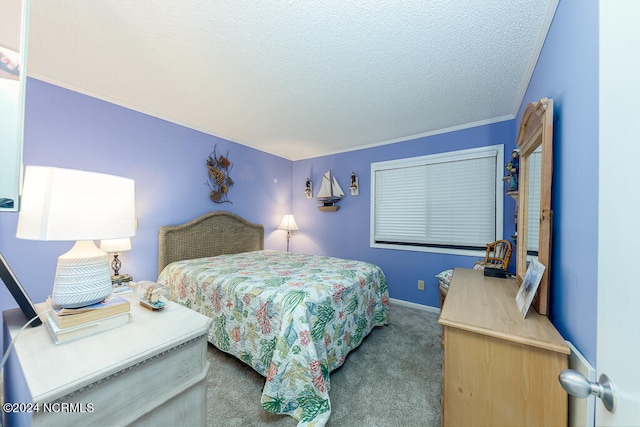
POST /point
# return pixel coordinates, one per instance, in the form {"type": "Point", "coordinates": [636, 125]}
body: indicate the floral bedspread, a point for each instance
{"type": "Point", "coordinates": [292, 317]}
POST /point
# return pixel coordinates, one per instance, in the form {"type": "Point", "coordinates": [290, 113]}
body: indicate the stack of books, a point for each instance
{"type": "Point", "coordinates": [67, 324]}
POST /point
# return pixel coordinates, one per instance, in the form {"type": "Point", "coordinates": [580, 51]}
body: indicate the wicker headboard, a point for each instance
{"type": "Point", "coordinates": [212, 234]}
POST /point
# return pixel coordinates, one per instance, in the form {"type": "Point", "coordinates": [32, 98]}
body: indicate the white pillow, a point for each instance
{"type": "Point", "coordinates": [445, 277]}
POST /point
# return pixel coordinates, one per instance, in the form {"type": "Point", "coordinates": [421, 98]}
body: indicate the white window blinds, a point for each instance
{"type": "Point", "coordinates": [401, 205]}
{"type": "Point", "coordinates": [449, 200]}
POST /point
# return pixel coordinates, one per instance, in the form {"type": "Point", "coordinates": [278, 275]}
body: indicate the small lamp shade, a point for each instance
{"type": "Point", "coordinates": [67, 204]}
{"type": "Point", "coordinates": [288, 223]}
{"type": "Point", "coordinates": [116, 245]}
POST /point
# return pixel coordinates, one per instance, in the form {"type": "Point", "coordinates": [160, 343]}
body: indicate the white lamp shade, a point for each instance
{"type": "Point", "coordinates": [116, 245]}
{"type": "Point", "coordinates": [288, 223]}
{"type": "Point", "coordinates": [67, 204]}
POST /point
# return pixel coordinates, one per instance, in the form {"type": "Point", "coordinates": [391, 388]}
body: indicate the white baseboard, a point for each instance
{"type": "Point", "coordinates": [415, 305]}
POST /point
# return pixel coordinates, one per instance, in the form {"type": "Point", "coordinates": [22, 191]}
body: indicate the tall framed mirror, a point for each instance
{"type": "Point", "coordinates": [13, 78]}
{"type": "Point", "coordinates": [535, 141]}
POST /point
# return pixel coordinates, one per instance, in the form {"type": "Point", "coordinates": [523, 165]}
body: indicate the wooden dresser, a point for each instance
{"type": "Point", "coordinates": [151, 371]}
{"type": "Point", "coordinates": [498, 369]}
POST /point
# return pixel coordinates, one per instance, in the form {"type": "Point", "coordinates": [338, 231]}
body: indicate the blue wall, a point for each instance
{"type": "Point", "coordinates": [167, 161]}
{"type": "Point", "coordinates": [567, 71]}
{"type": "Point", "coordinates": [345, 233]}
{"type": "Point", "coordinates": [66, 129]}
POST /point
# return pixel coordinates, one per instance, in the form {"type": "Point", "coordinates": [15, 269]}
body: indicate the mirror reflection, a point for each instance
{"type": "Point", "coordinates": [533, 215]}
{"type": "Point", "coordinates": [12, 88]}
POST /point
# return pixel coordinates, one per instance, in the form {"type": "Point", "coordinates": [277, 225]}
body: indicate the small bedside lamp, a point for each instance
{"type": "Point", "coordinates": [288, 224]}
{"type": "Point", "coordinates": [115, 247]}
{"type": "Point", "coordinates": [67, 204]}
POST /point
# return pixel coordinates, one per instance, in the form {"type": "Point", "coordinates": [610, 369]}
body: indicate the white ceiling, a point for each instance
{"type": "Point", "coordinates": [297, 78]}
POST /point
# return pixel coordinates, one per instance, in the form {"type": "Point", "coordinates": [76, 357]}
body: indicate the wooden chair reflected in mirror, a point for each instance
{"type": "Point", "coordinates": [535, 141]}
{"type": "Point", "coordinates": [498, 254]}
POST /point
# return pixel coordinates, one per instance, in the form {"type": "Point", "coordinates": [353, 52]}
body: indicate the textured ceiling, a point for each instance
{"type": "Point", "coordinates": [297, 78]}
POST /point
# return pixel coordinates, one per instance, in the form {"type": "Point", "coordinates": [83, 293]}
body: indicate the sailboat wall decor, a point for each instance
{"type": "Point", "coordinates": [330, 193]}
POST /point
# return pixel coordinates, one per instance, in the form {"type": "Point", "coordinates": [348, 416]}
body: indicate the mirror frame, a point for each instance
{"type": "Point", "coordinates": [12, 131]}
{"type": "Point", "coordinates": [536, 129]}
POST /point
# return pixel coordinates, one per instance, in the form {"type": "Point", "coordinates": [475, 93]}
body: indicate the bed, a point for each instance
{"type": "Point", "coordinates": [292, 317]}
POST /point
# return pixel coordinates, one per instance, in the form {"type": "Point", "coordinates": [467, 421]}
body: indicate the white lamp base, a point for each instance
{"type": "Point", "coordinates": [83, 276]}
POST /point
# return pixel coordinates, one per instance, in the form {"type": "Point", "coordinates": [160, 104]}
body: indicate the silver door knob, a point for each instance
{"type": "Point", "coordinates": [579, 386]}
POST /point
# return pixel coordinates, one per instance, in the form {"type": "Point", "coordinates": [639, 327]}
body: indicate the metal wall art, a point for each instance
{"type": "Point", "coordinates": [355, 190]}
{"type": "Point", "coordinates": [308, 188]}
{"type": "Point", "coordinates": [219, 182]}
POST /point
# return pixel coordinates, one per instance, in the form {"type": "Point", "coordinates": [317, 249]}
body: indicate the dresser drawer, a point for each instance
{"type": "Point", "coordinates": [143, 386]}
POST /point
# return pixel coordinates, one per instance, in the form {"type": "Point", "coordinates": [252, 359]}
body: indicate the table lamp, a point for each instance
{"type": "Point", "coordinates": [288, 224]}
{"type": "Point", "coordinates": [66, 204]}
{"type": "Point", "coordinates": [115, 247]}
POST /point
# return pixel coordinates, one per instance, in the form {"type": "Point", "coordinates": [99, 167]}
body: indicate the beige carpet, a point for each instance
{"type": "Point", "coordinates": [393, 379]}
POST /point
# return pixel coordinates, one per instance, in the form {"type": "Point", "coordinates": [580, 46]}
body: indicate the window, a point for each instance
{"type": "Point", "coordinates": [448, 203]}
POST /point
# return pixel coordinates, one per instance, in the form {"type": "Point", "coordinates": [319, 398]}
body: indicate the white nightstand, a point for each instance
{"type": "Point", "coordinates": [151, 371]}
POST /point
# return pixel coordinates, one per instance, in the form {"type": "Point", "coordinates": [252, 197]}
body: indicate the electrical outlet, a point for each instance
{"type": "Point", "coordinates": [421, 285]}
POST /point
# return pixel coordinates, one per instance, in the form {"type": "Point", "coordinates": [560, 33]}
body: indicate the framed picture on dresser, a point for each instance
{"type": "Point", "coordinates": [529, 286]}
